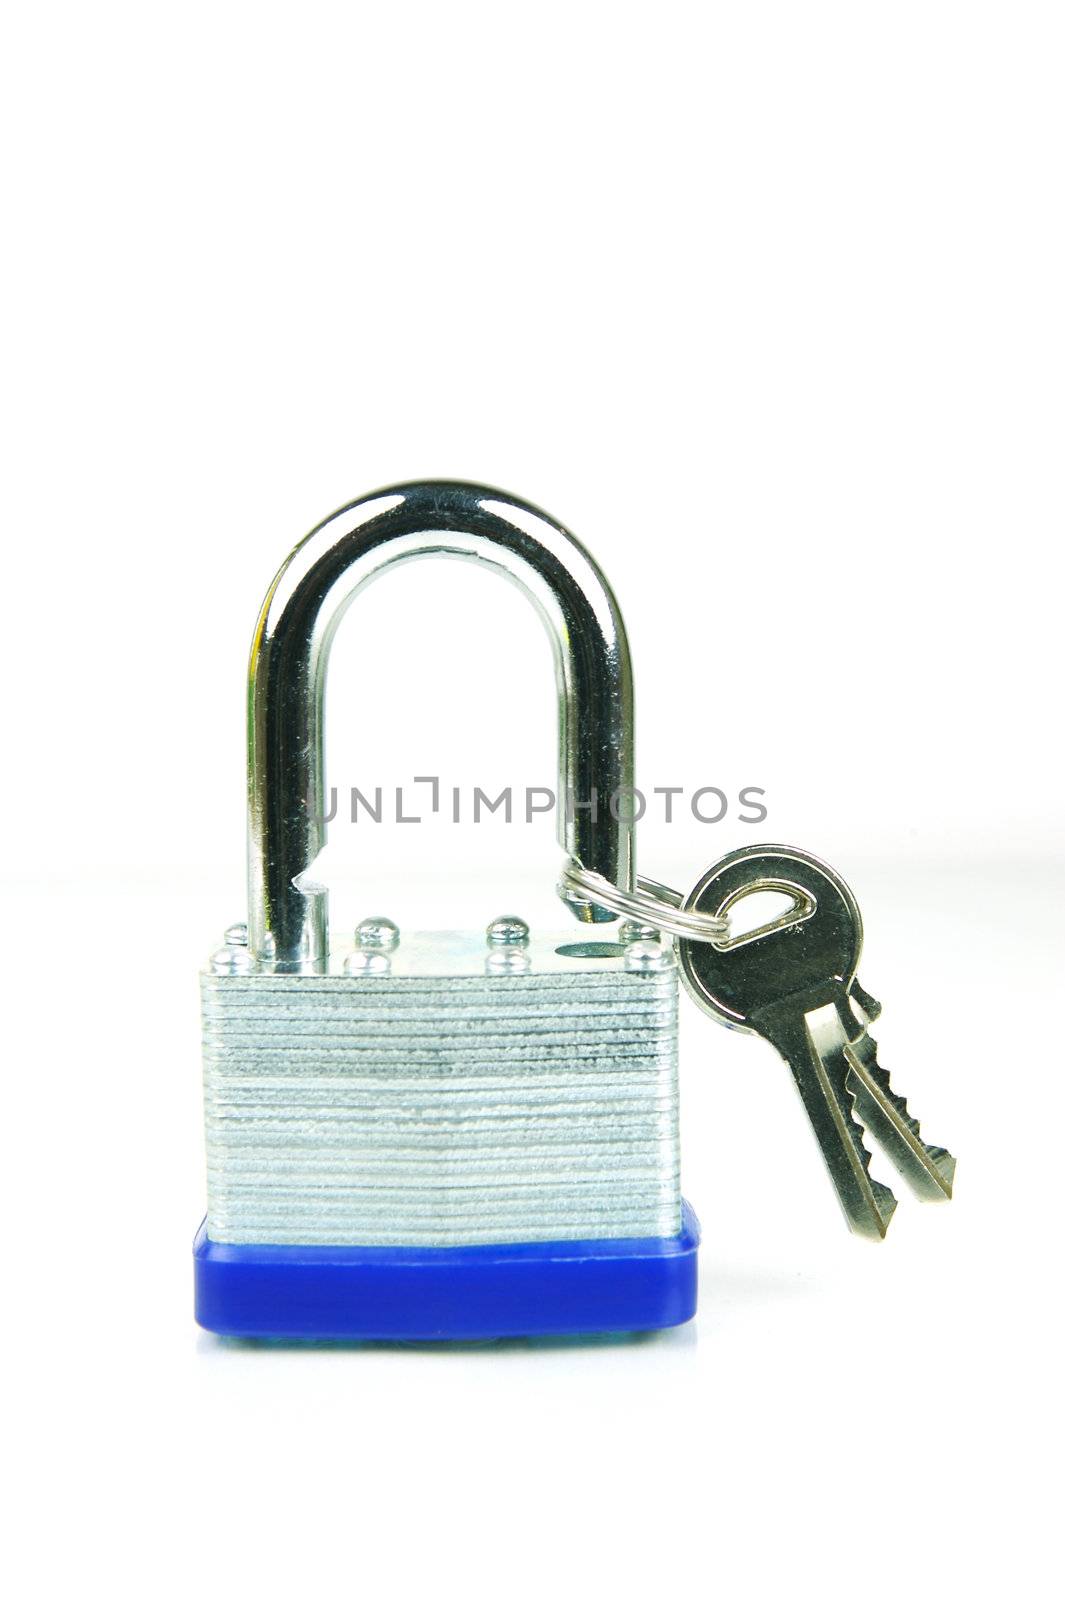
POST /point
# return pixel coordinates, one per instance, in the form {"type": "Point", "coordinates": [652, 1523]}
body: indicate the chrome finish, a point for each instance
{"type": "Point", "coordinates": [231, 959]}
{"type": "Point", "coordinates": [507, 930]}
{"type": "Point", "coordinates": [647, 955]}
{"type": "Point", "coordinates": [237, 933]}
{"type": "Point", "coordinates": [287, 929]}
{"type": "Point", "coordinates": [649, 902]}
{"type": "Point", "coordinates": [629, 932]}
{"type": "Point", "coordinates": [376, 933]}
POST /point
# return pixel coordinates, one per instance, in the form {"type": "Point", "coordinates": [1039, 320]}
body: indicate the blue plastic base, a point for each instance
{"type": "Point", "coordinates": [475, 1292]}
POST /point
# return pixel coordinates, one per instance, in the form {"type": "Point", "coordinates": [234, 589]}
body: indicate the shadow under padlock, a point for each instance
{"type": "Point", "coordinates": [442, 1136]}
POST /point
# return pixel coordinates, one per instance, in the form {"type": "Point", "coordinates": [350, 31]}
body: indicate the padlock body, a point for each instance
{"type": "Point", "coordinates": [491, 1132]}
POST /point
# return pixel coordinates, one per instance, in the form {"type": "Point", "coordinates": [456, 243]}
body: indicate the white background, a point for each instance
{"type": "Point", "coordinates": [763, 301]}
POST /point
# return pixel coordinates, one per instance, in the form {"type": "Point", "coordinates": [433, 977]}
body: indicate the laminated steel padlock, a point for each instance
{"type": "Point", "coordinates": [428, 1136]}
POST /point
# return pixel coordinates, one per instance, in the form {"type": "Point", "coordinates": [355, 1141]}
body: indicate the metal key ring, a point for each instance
{"type": "Point", "coordinates": [650, 902]}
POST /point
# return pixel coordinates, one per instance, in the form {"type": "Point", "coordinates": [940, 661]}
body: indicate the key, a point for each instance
{"type": "Point", "coordinates": [789, 981]}
{"type": "Point", "coordinates": [792, 981]}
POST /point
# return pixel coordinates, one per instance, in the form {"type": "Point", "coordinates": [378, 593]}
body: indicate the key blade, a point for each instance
{"type": "Point", "coordinates": [814, 1045]}
{"type": "Point", "coordinates": [927, 1168]}
{"type": "Point", "coordinates": [868, 1205]}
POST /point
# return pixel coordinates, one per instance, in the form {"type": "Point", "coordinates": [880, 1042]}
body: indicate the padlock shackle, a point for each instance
{"type": "Point", "coordinates": [287, 928]}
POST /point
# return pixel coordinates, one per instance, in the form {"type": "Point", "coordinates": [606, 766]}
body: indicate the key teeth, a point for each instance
{"type": "Point", "coordinates": [884, 1198]}
{"type": "Point", "coordinates": [941, 1158]}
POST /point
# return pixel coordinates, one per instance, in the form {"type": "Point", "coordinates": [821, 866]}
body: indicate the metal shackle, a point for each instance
{"type": "Point", "coordinates": [287, 927]}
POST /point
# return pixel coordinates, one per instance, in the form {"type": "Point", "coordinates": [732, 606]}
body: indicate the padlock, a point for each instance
{"type": "Point", "coordinates": [440, 1136]}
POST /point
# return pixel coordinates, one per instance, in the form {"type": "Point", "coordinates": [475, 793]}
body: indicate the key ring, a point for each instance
{"type": "Point", "coordinates": [650, 902]}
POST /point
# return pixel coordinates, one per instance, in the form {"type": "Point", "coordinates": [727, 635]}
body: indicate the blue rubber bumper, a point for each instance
{"type": "Point", "coordinates": [474, 1292]}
